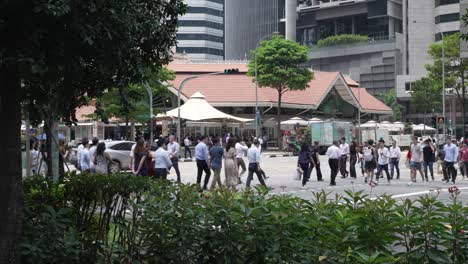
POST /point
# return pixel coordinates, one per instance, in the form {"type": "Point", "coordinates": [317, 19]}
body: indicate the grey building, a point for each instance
{"type": "Point", "coordinates": [201, 30]}
{"type": "Point", "coordinates": [246, 22]}
{"type": "Point", "coordinates": [374, 64]}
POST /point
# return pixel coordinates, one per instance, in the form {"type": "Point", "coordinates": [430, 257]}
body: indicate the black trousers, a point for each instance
{"type": "Point", "coordinates": [175, 164]}
{"type": "Point", "coordinates": [253, 168]}
{"type": "Point", "coordinates": [187, 149]}
{"type": "Point", "coordinates": [203, 166]}
{"type": "Point", "coordinates": [451, 171]}
{"type": "Point", "coordinates": [160, 173]}
{"type": "Point", "coordinates": [342, 165]}
{"type": "Point", "coordinates": [381, 168]}
{"type": "Point", "coordinates": [352, 166]}
{"type": "Point", "coordinates": [319, 172]}
{"type": "Point", "coordinates": [305, 169]}
{"type": "Point", "coordinates": [333, 163]}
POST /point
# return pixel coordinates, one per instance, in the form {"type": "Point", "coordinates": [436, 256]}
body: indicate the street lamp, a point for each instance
{"type": "Point", "coordinates": [257, 113]}
{"type": "Point", "coordinates": [443, 69]}
{"type": "Point", "coordinates": [181, 87]}
{"type": "Point", "coordinates": [150, 95]}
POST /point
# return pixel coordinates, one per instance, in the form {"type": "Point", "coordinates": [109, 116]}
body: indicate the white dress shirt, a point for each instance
{"type": "Point", "coordinates": [161, 159]}
{"type": "Point", "coordinates": [395, 152]}
{"type": "Point", "coordinates": [240, 150]}
{"type": "Point", "coordinates": [187, 142]}
{"type": "Point", "coordinates": [384, 155]}
{"type": "Point", "coordinates": [253, 154]}
{"type": "Point", "coordinates": [344, 149]}
{"type": "Point", "coordinates": [173, 150]}
{"type": "Point", "coordinates": [333, 152]}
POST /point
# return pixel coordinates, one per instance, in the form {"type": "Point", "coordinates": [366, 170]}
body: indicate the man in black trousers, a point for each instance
{"type": "Point", "coordinates": [202, 157]}
{"type": "Point", "coordinates": [333, 154]}
{"type": "Point", "coordinates": [315, 161]}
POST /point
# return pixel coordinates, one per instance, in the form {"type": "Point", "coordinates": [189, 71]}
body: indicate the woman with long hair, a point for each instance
{"type": "Point", "coordinates": [101, 159]}
{"type": "Point", "coordinates": [231, 169]}
{"type": "Point", "coordinates": [140, 153]}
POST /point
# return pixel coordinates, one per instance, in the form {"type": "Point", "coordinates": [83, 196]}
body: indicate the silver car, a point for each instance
{"type": "Point", "coordinates": [120, 154]}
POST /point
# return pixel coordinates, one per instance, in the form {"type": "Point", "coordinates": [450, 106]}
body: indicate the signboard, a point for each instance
{"type": "Point", "coordinates": [402, 140]}
{"type": "Point", "coordinates": [463, 30]}
{"type": "Point", "coordinates": [316, 129]}
{"type": "Point", "coordinates": [327, 133]}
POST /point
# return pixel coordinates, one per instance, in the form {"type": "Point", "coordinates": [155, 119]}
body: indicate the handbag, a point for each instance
{"type": "Point", "coordinates": [297, 175]}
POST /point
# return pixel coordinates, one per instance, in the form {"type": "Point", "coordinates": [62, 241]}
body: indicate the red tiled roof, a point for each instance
{"type": "Point", "coordinates": [368, 101]}
{"type": "Point", "coordinates": [82, 113]}
{"type": "Point", "coordinates": [239, 89]}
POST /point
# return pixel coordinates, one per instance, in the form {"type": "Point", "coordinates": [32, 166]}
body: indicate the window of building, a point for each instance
{"type": "Point", "coordinates": [184, 36]}
{"type": "Point", "coordinates": [200, 23]}
{"type": "Point", "coordinates": [217, 1]}
{"type": "Point", "coordinates": [344, 25]}
{"type": "Point", "coordinates": [200, 50]}
{"type": "Point", "coordinates": [447, 18]}
{"type": "Point", "coordinates": [326, 29]}
{"type": "Point", "coordinates": [408, 86]}
{"type": "Point", "coordinates": [205, 10]}
{"type": "Point", "coordinates": [378, 28]}
{"type": "Point", "coordinates": [446, 2]}
{"type": "Point", "coordinates": [438, 36]}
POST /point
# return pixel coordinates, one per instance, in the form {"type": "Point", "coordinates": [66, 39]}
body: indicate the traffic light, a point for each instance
{"type": "Point", "coordinates": [434, 121]}
{"type": "Point", "coordinates": [231, 71]}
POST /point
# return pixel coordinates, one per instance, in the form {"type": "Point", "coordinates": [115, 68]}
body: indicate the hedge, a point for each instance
{"type": "Point", "coordinates": [344, 39]}
{"type": "Point", "coordinates": [127, 219]}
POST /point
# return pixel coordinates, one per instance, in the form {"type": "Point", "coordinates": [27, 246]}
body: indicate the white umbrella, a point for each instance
{"type": "Point", "coordinates": [197, 109]}
{"type": "Point", "coordinates": [294, 121]}
{"type": "Point", "coordinates": [369, 124]}
{"type": "Point", "coordinates": [315, 120]}
{"type": "Point", "coordinates": [421, 127]}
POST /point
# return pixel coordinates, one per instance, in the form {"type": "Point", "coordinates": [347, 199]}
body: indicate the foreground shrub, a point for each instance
{"type": "Point", "coordinates": [127, 219]}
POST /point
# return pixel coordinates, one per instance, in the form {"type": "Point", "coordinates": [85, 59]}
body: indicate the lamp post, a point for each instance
{"type": "Point", "coordinates": [257, 112]}
{"type": "Point", "coordinates": [150, 95]}
{"type": "Point", "coordinates": [181, 87]}
{"type": "Point", "coordinates": [443, 72]}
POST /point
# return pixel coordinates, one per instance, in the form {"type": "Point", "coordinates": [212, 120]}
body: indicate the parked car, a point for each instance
{"type": "Point", "coordinates": [119, 152]}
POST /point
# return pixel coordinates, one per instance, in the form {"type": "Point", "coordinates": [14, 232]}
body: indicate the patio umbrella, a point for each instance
{"type": "Point", "coordinates": [294, 121]}
{"type": "Point", "coordinates": [369, 124]}
{"type": "Point", "coordinates": [44, 136]}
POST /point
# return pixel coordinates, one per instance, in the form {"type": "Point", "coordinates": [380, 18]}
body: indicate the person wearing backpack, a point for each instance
{"type": "Point", "coordinates": [415, 162]}
{"type": "Point", "coordinates": [369, 156]}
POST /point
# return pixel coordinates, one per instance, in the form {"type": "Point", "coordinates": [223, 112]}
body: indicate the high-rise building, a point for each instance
{"type": "Point", "coordinates": [246, 22]}
{"type": "Point", "coordinates": [201, 30]}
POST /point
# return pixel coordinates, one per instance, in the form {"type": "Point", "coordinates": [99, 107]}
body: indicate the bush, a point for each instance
{"type": "Point", "coordinates": [344, 39]}
{"type": "Point", "coordinates": [127, 219]}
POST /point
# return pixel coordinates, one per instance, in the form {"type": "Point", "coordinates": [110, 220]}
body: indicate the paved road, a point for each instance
{"type": "Point", "coordinates": [281, 169]}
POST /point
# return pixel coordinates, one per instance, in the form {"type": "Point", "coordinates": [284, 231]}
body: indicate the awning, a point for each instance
{"type": "Point", "coordinates": [198, 109]}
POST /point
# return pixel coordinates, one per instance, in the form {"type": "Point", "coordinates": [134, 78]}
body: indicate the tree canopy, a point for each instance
{"type": "Point", "coordinates": [389, 99]}
{"type": "Point", "coordinates": [54, 56]}
{"type": "Point", "coordinates": [279, 66]}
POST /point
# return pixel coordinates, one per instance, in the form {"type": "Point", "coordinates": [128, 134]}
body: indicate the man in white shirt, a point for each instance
{"type": "Point", "coordinates": [451, 154]}
{"type": "Point", "coordinates": [383, 158]}
{"type": "Point", "coordinates": [162, 162]}
{"type": "Point", "coordinates": [85, 160]}
{"type": "Point", "coordinates": [187, 143]}
{"type": "Point", "coordinates": [253, 154]}
{"type": "Point", "coordinates": [241, 150]}
{"type": "Point", "coordinates": [78, 152]}
{"type": "Point", "coordinates": [395, 155]}
{"type": "Point", "coordinates": [344, 152]}
{"type": "Point", "coordinates": [92, 151]}
{"type": "Point", "coordinates": [416, 160]}
{"type": "Point", "coordinates": [173, 151]}
{"type": "Point", "coordinates": [334, 155]}
{"type": "Point", "coordinates": [203, 161]}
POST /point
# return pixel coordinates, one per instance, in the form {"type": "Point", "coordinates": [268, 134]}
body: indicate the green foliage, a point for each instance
{"type": "Point", "coordinates": [426, 95]}
{"type": "Point", "coordinates": [131, 103]}
{"type": "Point", "coordinates": [279, 66]}
{"type": "Point", "coordinates": [389, 99]}
{"type": "Point", "coordinates": [123, 218]}
{"type": "Point", "coordinates": [344, 39]}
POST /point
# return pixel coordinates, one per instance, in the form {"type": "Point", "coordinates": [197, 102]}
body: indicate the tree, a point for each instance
{"type": "Point", "coordinates": [426, 95]}
{"type": "Point", "coordinates": [279, 67]}
{"type": "Point", "coordinates": [389, 99]}
{"type": "Point", "coordinates": [54, 56]}
{"type": "Point", "coordinates": [455, 69]}
{"type": "Point", "coordinates": [131, 103]}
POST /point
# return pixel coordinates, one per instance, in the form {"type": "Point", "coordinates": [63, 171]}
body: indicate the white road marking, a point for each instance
{"type": "Point", "coordinates": [424, 192]}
